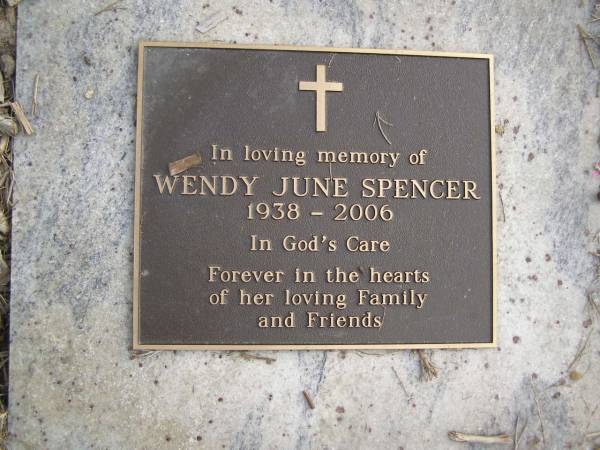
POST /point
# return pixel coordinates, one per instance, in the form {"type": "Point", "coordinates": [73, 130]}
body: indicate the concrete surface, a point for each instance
{"type": "Point", "coordinates": [73, 384]}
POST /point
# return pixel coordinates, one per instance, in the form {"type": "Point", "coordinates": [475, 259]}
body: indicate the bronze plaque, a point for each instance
{"type": "Point", "coordinates": [313, 198]}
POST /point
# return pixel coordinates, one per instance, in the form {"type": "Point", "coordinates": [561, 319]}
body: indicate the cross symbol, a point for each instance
{"type": "Point", "coordinates": [321, 87]}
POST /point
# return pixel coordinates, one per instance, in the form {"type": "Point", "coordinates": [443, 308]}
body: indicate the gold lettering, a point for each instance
{"type": "Point", "coordinates": [218, 274]}
{"type": "Point", "coordinates": [470, 187]}
{"type": "Point", "coordinates": [258, 298]}
{"type": "Point", "coordinates": [249, 183]}
{"type": "Point", "coordinates": [288, 321]}
{"type": "Point", "coordinates": [419, 187]}
{"type": "Point", "coordinates": [188, 181]}
{"type": "Point", "coordinates": [166, 180]}
{"type": "Point", "coordinates": [400, 187]}
{"type": "Point", "coordinates": [389, 159]}
{"type": "Point", "coordinates": [432, 192]}
{"type": "Point", "coordinates": [452, 186]}
{"type": "Point", "coordinates": [312, 186]}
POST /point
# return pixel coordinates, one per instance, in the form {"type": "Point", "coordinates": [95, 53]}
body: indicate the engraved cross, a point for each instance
{"type": "Point", "coordinates": [321, 87]}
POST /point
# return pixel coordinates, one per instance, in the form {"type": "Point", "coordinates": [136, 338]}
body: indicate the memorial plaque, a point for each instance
{"type": "Point", "coordinates": [313, 198]}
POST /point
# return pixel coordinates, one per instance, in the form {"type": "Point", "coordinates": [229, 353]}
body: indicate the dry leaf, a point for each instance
{"type": "Point", "coordinates": [575, 376]}
{"type": "Point", "coordinates": [8, 126]}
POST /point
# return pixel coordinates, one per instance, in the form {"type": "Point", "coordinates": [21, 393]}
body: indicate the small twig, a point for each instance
{"type": "Point", "coordinates": [475, 438]}
{"type": "Point", "coordinates": [592, 435]}
{"type": "Point", "coordinates": [593, 305]}
{"type": "Point", "coordinates": [135, 354]}
{"type": "Point", "coordinates": [502, 205]}
{"type": "Point", "coordinates": [309, 400]}
{"type": "Point", "coordinates": [4, 141]}
{"type": "Point", "coordinates": [580, 351]}
{"type": "Point", "coordinates": [8, 126]}
{"type": "Point", "coordinates": [249, 356]}
{"type": "Point", "coordinates": [22, 118]}
{"type": "Point", "coordinates": [379, 120]}
{"type": "Point", "coordinates": [362, 352]}
{"type": "Point", "coordinates": [36, 83]}
{"type": "Point", "coordinates": [584, 36]}
{"type": "Point", "coordinates": [211, 21]}
{"type": "Point", "coordinates": [539, 413]}
{"type": "Point", "coordinates": [595, 38]}
{"type": "Point", "coordinates": [516, 430]}
{"type": "Point", "coordinates": [428, 369]}
{"type": "Point", "coordinates": [401, 383]}
{"type": "Point", "coordinates": [183, 164]}
{"type": "Point", "coordinates": [109, 7]}
{"type": "Point", "coordinates": [520, 435]}
{"type": "Point", "coordinates": [587, 427]}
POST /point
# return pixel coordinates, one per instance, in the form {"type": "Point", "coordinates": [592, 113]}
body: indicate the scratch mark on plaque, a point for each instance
{"type": "Point", "coordinates": [378, 121]}
{"type": "Point", "coordinates": [331, 60]}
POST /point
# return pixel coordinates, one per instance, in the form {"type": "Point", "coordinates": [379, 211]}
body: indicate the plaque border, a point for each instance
{"type": "Point", "coordinates": [143, 44]}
